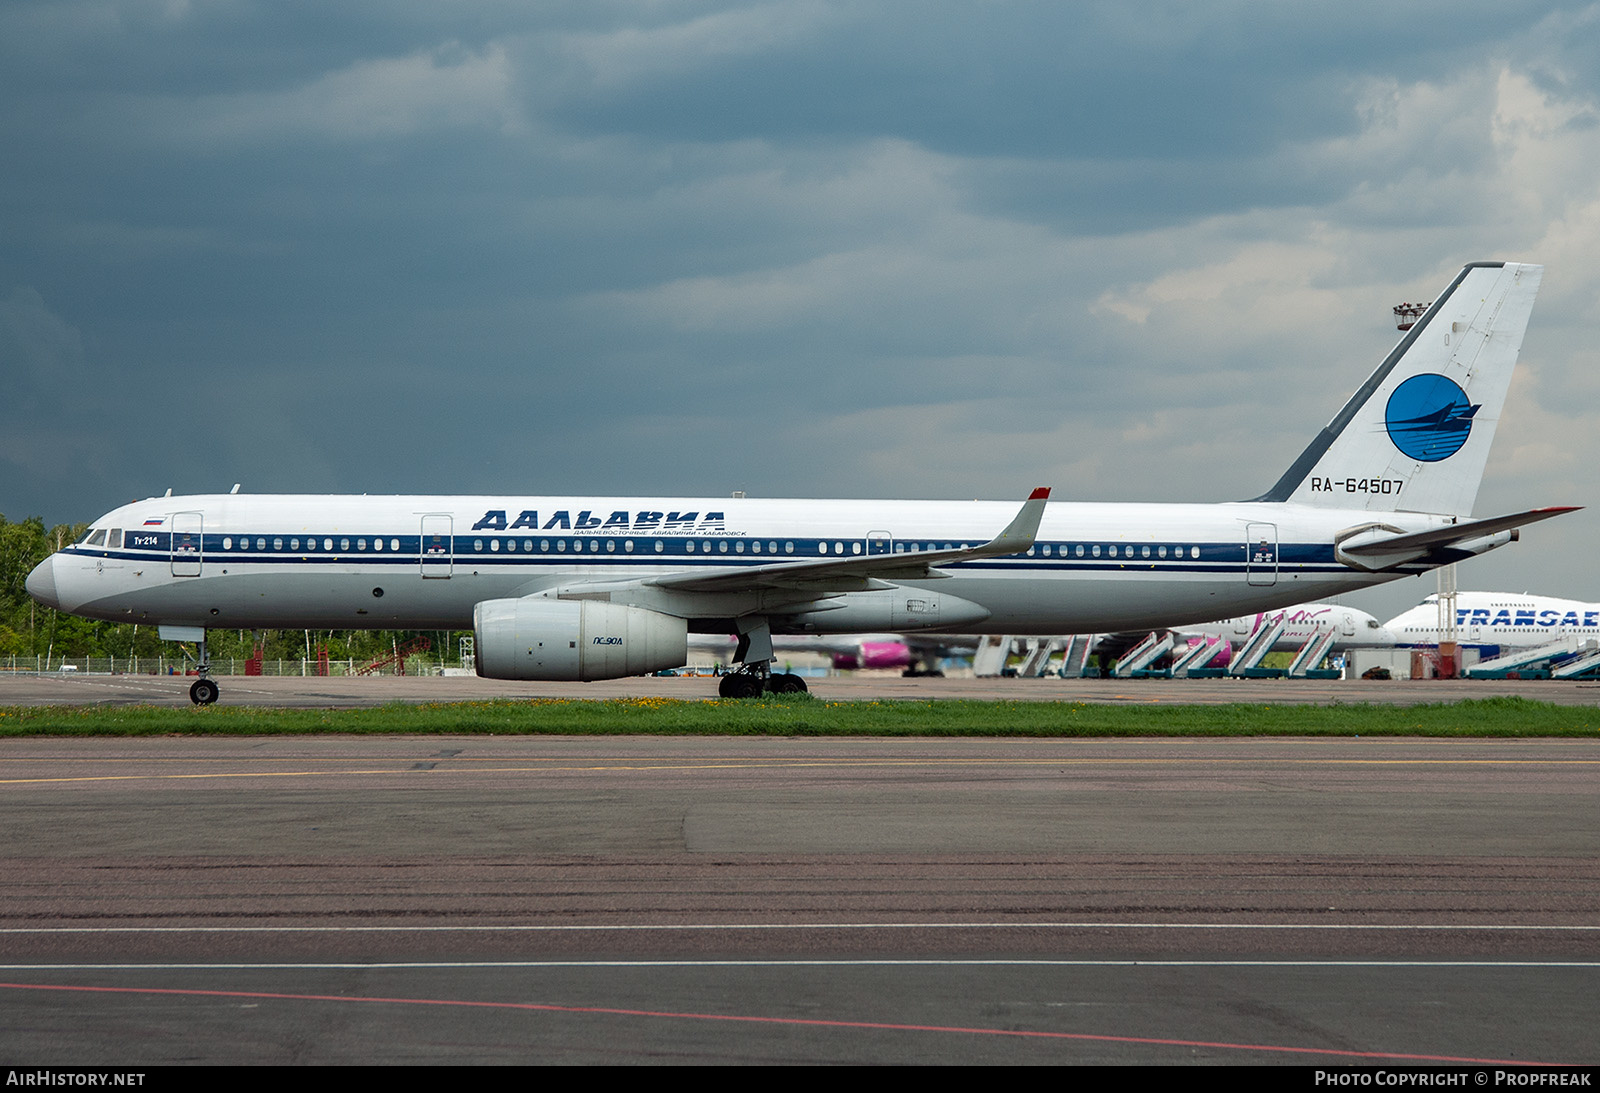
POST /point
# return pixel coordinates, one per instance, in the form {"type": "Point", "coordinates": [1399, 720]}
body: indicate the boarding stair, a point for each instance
{"type": "Point", "coordinates": [1583, 666]}
{"type": "Point", "coordinates": [1036, 656]}
{"type": "Point", "coordinates": [396, 657]}
{"type": "Point", "coordinates": [1141, 656]}
{"type": "Point", "coordinates": [990, 659]}
{"type": "Point", "coordinates": [1525, 663]}
{"type": "Point", "coordinates": [1198, 657]}
{"type": "Point", "coordinates": [1312, 653]}
{"type": "Point", "coordinates": [1255, 649]}
{"type": "Point", "coordinates": [1075, 656]}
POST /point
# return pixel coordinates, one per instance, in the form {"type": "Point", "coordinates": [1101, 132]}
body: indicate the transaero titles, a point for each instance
{"type": "Point", "coordinates": [618, 523]}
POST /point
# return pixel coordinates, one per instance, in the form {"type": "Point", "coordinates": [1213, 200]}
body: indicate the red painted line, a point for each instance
{"type": "Point", "coordinates": [811, 1022]}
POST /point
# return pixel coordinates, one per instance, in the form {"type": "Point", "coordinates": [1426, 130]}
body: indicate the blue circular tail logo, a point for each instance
{"type": "Point", "coordinates": [1429, 417]}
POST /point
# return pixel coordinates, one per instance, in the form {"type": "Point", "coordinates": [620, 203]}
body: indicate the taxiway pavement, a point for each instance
{"type": "Point", "coordinates": [478, 899]}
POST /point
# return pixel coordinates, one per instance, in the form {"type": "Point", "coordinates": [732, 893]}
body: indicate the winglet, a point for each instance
{"type": "Point", "coordinates": [1024, 527]}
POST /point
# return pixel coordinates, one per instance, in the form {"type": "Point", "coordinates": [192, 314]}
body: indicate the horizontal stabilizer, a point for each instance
{"type": "Point", "coordinates": [1378, 546]}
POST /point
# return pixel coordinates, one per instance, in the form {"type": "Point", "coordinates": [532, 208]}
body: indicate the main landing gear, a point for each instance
{"type": "Point", "coordinates": [757, 676]}
{"type": "Point", "coordinates": [750, 682]}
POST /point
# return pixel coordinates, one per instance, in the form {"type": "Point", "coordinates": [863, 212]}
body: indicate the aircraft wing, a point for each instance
{"type": "Point", "coordinates": [860, 572]}
{"type": "Point", "coordinates": [1379, 546]}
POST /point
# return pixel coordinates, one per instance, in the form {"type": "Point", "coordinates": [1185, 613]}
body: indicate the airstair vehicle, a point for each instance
{"type": "Point", "coordinates": [1536, 663]}
{"type": "Point", "coordinates": [1247, 662]}
{"type": "Point", "coordinates": [1312, 653]}
{"type": "Point", "coordinates": [1146, 653]}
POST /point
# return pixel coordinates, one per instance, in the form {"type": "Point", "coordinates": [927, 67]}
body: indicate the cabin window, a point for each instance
{"type": "Point", "coordinates": [277, 544]}
{"type": "Point", "coordinates": [494, 546]}
{"type": "Point", "coordinates": [527, 545]}
{"type": "Point", "coordinates": [788, 547]}
{"type": "Point", "coordinates": [227, 542]}
{"type": "Point", "coordinates": [627, 545]}
{"type": "Point", "coordinates": [594, 545]}
{"type": "Point", "coordinates": [1194, 552]}
{"type": "Point", "coordinates": [723, 546]}
{"type": "Point", "coordinates": [361, 544]}
{"type": "Point", "coordinates": [1144, 552]}
{"type": "Point", "coordinates": [755, 547]}
{"type": "Point", "coordinates": [822, 548]}
{"type": "Point", "coordinates": [738, 547]}
{"type": "Point", "coordinates": [611, 546]}
{"type": "Point", "coordinates": [561, 545]}
{"type": "Point", "coordinates": [327, 544]}
{"type": "Point", "coordinates": [660, 546]}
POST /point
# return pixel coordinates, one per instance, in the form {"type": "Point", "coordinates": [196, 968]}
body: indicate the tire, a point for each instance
{"type": "Point", "coordinates": [788, 683]}
{"type": "Point", "coordinates": [739, 685]}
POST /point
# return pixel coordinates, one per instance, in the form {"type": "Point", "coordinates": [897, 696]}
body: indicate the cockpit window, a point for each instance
{"type": "Point", "coordinates": [96, 538]}
{"type": "Point", "coordinates": [115, 540]}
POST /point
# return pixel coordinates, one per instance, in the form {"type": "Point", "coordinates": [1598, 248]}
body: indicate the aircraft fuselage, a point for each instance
{"type": "Point", "coordinates": [280, 561]}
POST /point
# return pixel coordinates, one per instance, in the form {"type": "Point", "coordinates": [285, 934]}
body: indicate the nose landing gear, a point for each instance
{"type": "Point", "coordinates": [204, 690]}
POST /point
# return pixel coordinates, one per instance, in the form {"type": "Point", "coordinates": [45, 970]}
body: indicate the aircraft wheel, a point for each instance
{"type": "Point", "coordinates": [739, 685]}
{"type": "Point", "coordinates": [788, 683]}
{"type": "Point", "coordinates": [204, 692]}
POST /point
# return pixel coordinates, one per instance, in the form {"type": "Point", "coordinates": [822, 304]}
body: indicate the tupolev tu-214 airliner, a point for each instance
{"type": "Point", "coordinates": [584, 588]}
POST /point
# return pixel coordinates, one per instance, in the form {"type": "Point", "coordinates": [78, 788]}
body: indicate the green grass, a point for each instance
{"type": "Point", "coordinates": [804, 715]}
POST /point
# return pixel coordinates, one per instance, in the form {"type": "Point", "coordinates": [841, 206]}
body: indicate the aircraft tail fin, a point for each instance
{"type": "Point", "coordinates": [1416, 435]}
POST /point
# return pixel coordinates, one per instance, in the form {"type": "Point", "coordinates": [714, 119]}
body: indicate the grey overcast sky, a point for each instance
{"type": "Point", "coordinates": [799, 248]}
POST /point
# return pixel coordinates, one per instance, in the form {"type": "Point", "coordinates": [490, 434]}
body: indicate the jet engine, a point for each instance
{"type": "Point", "coordinates": [574, 640]}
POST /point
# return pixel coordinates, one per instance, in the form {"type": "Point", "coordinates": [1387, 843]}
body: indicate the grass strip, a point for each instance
{"type": "Point", "coordinates": [804, 715]}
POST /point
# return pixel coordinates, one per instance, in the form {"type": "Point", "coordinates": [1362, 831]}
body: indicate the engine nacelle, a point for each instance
{"type": "Point", "coordinates": [574, 640]}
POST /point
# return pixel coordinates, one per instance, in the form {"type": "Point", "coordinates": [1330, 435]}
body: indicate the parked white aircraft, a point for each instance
{"type": "Point", "coordinates": [1355, 629]}
{"type": "Point", "coordinates": [601, 587]}
{"type": "Point", "coordinates": [1498, 620]}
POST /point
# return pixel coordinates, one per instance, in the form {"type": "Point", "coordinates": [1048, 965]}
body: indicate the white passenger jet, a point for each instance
{"type": "Point", "coordinates": [1354, 629]}
{"type": "Point", "coordinates": [1496, 621]}
{"type": "Point", "coordinates": [583, 588]}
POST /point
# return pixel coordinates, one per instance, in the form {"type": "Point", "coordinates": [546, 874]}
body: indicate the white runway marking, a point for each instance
{"type": "Point", "coordinates": [779, 926]}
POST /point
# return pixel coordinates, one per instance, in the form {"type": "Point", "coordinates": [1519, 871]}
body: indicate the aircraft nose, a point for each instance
{"type": "Point", "coordinates": [41, 582]}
